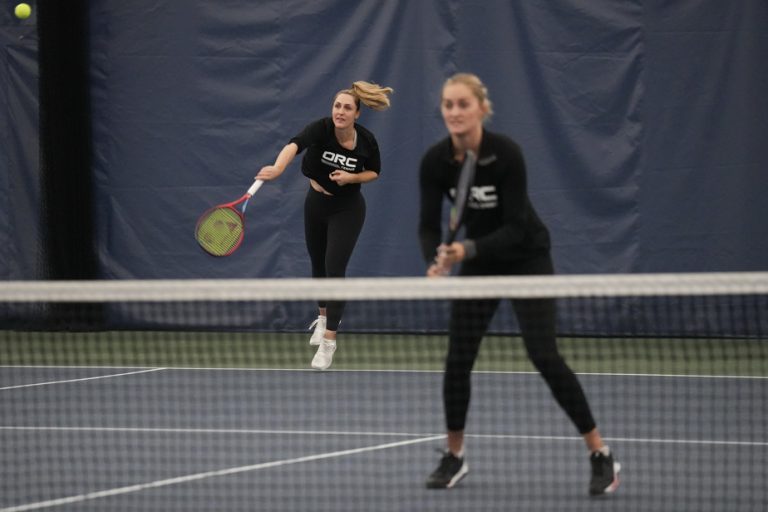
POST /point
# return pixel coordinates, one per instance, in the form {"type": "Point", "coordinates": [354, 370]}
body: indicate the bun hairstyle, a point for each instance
{"type": "Point", "coordinates": [371, 95]}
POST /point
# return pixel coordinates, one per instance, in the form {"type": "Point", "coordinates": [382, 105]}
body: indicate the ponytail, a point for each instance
{"type": "Point", "coordinates": [372, 95]}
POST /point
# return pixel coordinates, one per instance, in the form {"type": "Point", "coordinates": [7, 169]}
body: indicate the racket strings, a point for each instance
{"type": "Point", "coordinates": [220, 231]}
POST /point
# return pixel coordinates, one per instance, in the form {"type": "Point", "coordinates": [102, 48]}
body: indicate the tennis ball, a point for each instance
{"type": "Point", "coordinates": [23, 11]}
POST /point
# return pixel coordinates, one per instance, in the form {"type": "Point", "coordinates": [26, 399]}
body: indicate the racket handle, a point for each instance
{"type": "Point", "coordinates": [444, 269]}
{"type": "Point", "coordinates": [255, 187]}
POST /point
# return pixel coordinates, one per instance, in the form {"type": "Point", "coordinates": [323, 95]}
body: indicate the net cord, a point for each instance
{"type": "Point", "coordinates": [389, 288]}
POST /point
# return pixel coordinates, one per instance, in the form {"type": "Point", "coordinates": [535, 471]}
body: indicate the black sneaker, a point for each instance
{"type": "Point", "coordinates": [448, 473]}
{"type": "Point", "coordinates": [605, 474]}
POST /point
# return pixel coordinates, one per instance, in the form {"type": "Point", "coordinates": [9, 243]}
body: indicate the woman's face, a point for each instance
{"type": "Point", "coordinates": [344, 111]}
{"type": "Point", "coordinates": [461, 109]}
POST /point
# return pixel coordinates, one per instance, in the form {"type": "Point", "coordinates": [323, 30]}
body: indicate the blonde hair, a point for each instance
{"type": "Point", "coordinates": [478, 88]}
{"type": "Point", "coordinates": [372, 95]}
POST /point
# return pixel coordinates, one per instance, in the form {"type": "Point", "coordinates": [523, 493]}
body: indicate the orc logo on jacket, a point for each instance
{"type": "Point", "coordinates": [481, 197]}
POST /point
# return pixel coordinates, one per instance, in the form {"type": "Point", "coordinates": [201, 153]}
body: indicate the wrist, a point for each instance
{"type": "Point", "coordinates": [470, 249]}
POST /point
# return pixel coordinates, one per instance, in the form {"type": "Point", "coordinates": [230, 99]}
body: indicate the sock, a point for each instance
{"type": "Point", "coordinates": [605, 450]}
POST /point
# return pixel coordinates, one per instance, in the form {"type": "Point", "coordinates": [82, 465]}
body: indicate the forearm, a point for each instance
{"type": "Point", "coordinates": [430, 218]}
{"type": "Point", "coordinates": [503, 240]}
{"type": "Point", "coordinates": [285, 157]}
{"type": "Point", "coordinates": [429, 240]}
{"type": "Point", "coordinates": [364, 177]}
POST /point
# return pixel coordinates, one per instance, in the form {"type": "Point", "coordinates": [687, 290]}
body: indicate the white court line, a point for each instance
{"type": "Point", "coordinates": [150, 430]}
{"type": "Point", "coordinates": [521, 437]}
{"type": "Point", "coordinates": [75, 366]}
{"type": "Point", "coordinates": [110, 376]}
{"type": "Point", "coordinates": [481, 372]}
{"type": "Point", "coordinates": [636, 440]}
{"type": "Point", "coordinates": [208, 474]}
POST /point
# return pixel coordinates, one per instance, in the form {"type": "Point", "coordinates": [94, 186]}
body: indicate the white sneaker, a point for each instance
{"type": "Point", "coordinates": [317, 335]}
{"type": "Point", "coordinates": [324, 355]}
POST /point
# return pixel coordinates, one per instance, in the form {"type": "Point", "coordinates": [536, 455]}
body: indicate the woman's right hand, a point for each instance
{"type": "Point", "coordinates": [441, 266]}
{"type": "Point", "coordinates": [268, 173]}
{"type": "Point", "coordinates": [436, 270]}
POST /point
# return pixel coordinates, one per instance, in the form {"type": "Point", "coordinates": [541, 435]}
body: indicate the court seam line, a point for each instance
{"type": "Point", "coordinates": [167, 430]}
{"type": "Point", "coordinates": [522, 437]}
{"type": "Point", "coordinates": [342, 370]}
{"type": "Point", "coordinates": [82, 379]}
{"type": "Point", "coordinates": [209, 474]}
{"type": "Point", "coordinates": [629, 440]}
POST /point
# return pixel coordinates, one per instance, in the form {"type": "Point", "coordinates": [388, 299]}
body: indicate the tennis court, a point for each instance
{"type": "Point", "coordinates": [139, 372]}
{"type": "Point", "coordinates": [136, 421]}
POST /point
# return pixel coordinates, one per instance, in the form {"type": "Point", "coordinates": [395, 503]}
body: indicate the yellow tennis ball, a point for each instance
{"type": "Point", "coordinates": [23, 11]}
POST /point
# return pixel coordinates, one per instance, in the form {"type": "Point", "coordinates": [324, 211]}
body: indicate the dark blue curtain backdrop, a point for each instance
{"type": "Point", "coordinates": [20, 230]}
{"type": "Point", "coordinates": [643, 123]}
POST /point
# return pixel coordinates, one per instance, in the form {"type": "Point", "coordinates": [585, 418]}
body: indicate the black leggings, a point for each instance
{"type": "Point", "coordinates": [537, 319]}
{"type": "Point", "coordinates": [331, 227]}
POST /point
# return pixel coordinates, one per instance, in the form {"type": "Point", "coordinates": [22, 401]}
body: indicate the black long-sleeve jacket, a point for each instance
{"type": "Point", "coordinates": [500, 221]}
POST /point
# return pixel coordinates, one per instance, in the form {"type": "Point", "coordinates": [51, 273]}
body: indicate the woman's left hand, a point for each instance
{"type": "Point", "coordinates": [448, 255]}
{"type": "Point", "coordinates": [341, 178]}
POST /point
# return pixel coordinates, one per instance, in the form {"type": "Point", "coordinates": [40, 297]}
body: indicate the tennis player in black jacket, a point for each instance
{"type": "Point", "coordinates": [341, 155]}
{"type": "Point", "coordinates": [504, 236]}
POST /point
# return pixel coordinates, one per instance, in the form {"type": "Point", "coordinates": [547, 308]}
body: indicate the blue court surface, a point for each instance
{"type": "Point", "coordinates": [120, 439]}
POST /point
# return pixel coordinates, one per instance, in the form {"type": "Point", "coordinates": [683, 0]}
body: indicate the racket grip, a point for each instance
{"type": "Point", "coordinates": [255, 187]}
{"type": "Point", "coordinates": [443, 269]}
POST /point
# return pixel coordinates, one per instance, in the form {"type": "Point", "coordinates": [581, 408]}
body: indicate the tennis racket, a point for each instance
{"type": "Point", "coordinates": [463, 186]}
{"type": "Point", "coordinates": [466, 178]}
{"type": "Point", "coordinates": [220, 230]}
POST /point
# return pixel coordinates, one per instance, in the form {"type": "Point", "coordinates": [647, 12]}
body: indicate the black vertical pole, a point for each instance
{"type": "Point", "coordinates": [69, 244]}
{"type": "Point", "coordinates": [65, 140]}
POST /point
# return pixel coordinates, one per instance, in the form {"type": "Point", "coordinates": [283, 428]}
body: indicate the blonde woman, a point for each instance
{"type": "Point", "coordinates": [504, 236]}
{"type": "Point", "coordinates": [341, 155]}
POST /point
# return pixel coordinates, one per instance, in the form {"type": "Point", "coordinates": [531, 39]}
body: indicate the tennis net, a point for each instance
{"type": "Point", "coordinates": [198, 394]}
